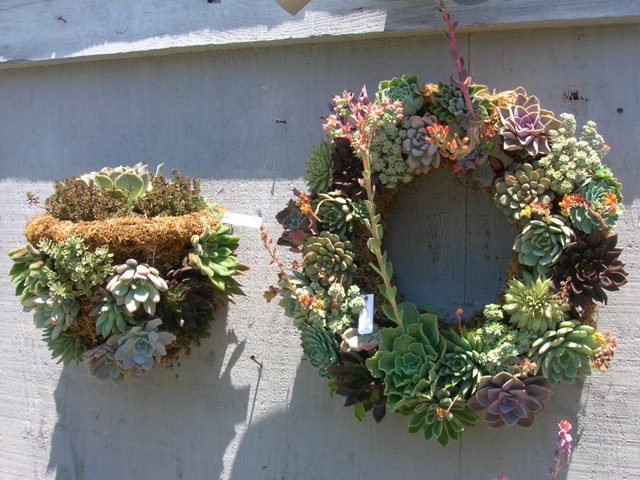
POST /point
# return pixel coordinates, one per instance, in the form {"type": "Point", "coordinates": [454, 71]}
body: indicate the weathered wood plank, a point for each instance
{"type": "Point", "coordinates": [44, 31]}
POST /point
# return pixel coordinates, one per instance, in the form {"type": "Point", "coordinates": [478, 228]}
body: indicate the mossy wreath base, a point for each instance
{"type": "Point", "coordinates": [499, 363]}
{"type": "Point", "coordinates": [131, 236]}
{"type": "Point", "coordinates": [127, 292]}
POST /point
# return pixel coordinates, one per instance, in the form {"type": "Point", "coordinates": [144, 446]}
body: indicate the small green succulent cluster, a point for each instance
{"type": "Point", "coordinates": [386, 156]}
{"type": "Point", "coordinates": [503, 347]}
{"type": "Point", "coordinates": [571, 161]}
{"type": "Point", "coordinates": [136, 285]}
{"type": "Point", "coordinates": [212, 253]}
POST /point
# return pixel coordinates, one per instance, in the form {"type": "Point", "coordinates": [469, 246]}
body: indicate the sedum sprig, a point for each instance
{"type": "Point", "coordinates": [358, 122]}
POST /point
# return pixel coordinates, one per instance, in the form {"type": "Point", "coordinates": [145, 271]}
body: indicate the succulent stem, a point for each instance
{"type": "Point", "coordinates": [376, 246]}
{"type": "Point", "coordinates": [463, 76]}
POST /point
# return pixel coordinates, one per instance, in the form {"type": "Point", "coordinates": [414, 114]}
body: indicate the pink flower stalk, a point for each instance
{"type": "Point", "coordinates": [563, 452]}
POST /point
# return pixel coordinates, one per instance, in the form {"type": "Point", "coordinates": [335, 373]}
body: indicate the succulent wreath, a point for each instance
{"type": "Point", "coordinates": [501, 362]}
{"type": "Point", "coordinates": [125, 269]}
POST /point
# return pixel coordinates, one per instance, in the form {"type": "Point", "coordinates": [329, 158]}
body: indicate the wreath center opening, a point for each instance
{"type": "Point", "coordinates": [449, 245]}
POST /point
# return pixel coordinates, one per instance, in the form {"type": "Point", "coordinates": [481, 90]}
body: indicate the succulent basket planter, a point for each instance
{"type": "Point", "coordinates": [126, 269]}
{"type": "Point", "coordinates": [498, 364]}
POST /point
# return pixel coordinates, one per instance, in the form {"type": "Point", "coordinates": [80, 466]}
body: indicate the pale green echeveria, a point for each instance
{"type": "Point", "coordinates": [320, 347]}
{"type": "Point", "coordinates": [404, 89]}
{"type": "Point", "coordinates": [530, 303]}
{"type": "Point", "coordinates": [53, 313]}
{"type": "Point", "coordinates": [29, 270]}
{"type": "Point", "coordinates": [122, 182]}
{"type": "Point", "coordinates": [319, 168]}
{"type": "Point", "coordinates": [599, 208]}
{"type": "Point", "coordinates": [136, 285]}
{"type": "Point", "coordinates": [448, 102]}
{"type": "Point", "coordinates": [519, 188]}
{"type": "Point", "coordinates": [525, 126]}
{"type": "Point", "coordinates": [439, 415]}
{"type": "Point", "coordinates": [328, 259]}
{"type": "Point", "coordinates": [408, 355]}
{"type": "Point", "coordinates": [565, 353]}
{"type": "Point", "coordinates": [459, 370]}
{"type": "Point", "coordinates": [142, 346]}
{"type": "Point", "coordinates": [541, 243]}
{"type": "Point", "coordinates": [335, 213]}
{"type": "Point", "coordinates": [422, 154]}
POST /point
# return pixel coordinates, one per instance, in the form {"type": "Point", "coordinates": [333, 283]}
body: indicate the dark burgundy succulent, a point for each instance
{"type": "Point", "coordinates": [347, 170]}
{"type": "Point", "coordinates": [190, 300]}
{"type": "Point", "coordinates": [587, 268]}
{"type": "Point", "coordinates": [354, 381]}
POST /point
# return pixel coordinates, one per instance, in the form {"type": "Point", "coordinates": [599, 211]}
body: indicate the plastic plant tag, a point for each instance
{"type": "Point", "coordinates": [241, 220]}
{"type": "Point", "coordinates": [365, 320]}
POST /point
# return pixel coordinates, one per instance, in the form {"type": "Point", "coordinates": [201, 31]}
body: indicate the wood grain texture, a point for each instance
{"type": "Point", "coordinates": [212, 115]}
{"type": "Point", "coordinates": [46, 31]}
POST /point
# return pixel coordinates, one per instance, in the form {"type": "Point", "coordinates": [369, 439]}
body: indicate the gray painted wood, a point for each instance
{"type": "Point", "coordinates": [212, 115]}
{"type": "Point", "coordinates": [46, 31]}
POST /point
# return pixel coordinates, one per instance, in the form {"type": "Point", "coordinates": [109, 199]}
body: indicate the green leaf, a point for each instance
{"type": "Point", "coordinates": [374, 244]}
{"type": "Point", "coordinates": [359, 411]}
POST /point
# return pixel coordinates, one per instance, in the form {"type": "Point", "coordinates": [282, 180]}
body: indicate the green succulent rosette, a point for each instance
{"type": "Point", "coordinates": [501, 360]}
{"type": "Point", "coordinates": [408, 355]}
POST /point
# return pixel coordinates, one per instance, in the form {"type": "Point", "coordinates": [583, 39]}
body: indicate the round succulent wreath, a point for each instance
{"type": "Point", "coordinates": [125, 269]}
{"type": "Point", "coordinates": [498, 363]}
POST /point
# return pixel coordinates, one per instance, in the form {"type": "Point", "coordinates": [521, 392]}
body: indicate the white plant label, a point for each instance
{"type": "Point", "coordinates": [365, 321]}
{"type": "Point", "coordinates": [241, 220]}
